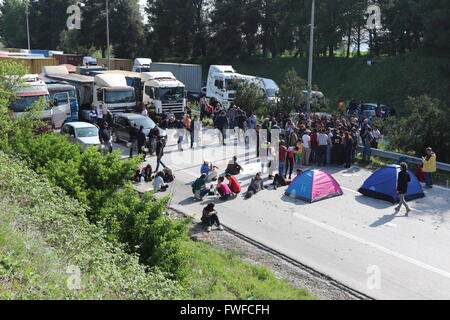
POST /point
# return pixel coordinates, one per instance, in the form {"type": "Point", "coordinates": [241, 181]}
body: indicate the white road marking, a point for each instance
{"type": "Point", "coordinates": [347, 235]}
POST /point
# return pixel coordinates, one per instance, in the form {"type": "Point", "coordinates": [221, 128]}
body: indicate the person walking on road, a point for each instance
{"type": "Point", "coordinates": [105, 138]}
{"type": "Point", "coordinates": [429, 167]}
{"type": "Point", "coordinates": [141, 141]}
{"type": "Point", "coordinates": [133, 137]}
{"type": "Point", "coordinates": [222, 125]}
{"type": "Point", "coordinates": [159, 153]}
{"type": "Point", "coordinates": [402, 187]}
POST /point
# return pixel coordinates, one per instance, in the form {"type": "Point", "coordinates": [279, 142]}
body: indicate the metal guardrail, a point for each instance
{"type": "Point", "coordinates": [396, 156]}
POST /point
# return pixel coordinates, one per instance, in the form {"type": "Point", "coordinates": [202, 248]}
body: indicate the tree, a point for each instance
{"type": "Point", "coordinates": [13, 24]}
{"type": "Point", "coordinates": [291, 95]}
{"type": "Point", "coordinates": [127, 29]}
{"type": "Point", "coordinates": [251, 98]}
{"type": "Point", "coordinates": [425, 126]}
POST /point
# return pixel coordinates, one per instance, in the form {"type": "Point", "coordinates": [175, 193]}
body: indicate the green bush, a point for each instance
{"type": "Point", "coordinates": [141, 224]}
{"type": "Point", "coordinates": [43, 231]}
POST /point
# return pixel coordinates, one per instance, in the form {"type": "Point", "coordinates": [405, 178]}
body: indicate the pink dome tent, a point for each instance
{"type": "Point", "coordinates": [314, 185]}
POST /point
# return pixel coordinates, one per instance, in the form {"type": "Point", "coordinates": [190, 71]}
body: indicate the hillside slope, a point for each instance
{"type": "Point", "coordinates": [390, 80]}
{"type": "Point", "coordinates": [44, 234]}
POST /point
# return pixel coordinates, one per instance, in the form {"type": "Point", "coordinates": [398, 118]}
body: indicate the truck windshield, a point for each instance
{"type": "Point", "coordinates": [171, 94]}
{"type": "Point", "coordinates": [71, 93]}
{"type": "Point", "coordinates": [233, 84]}
{"type": "Point", "coordinates": [23, 104]}
{"type": "Point", "coordinates": [120, 96]}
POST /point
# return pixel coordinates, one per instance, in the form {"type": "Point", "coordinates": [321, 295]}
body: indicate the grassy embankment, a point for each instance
{"type": "Point", "coordinates": [43, 232]}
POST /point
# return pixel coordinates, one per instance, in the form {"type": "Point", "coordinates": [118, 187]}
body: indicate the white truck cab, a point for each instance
{"type": "Point", "coordinates": [112, 91]}
{"type": "Point", "coordinates": [223, 82]}
{"type": "Point", "coordinates": [142, 65]}
{"type": "Point", "coordinates": [164, 92]}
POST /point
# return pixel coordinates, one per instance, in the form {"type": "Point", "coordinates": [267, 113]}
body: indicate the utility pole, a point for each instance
{"type": "Point", "coordinates": [28, 26]}
{"type": "Point", "coordinates": [311, 53]}
{"type": "Point", "coordinates": [108, 54]}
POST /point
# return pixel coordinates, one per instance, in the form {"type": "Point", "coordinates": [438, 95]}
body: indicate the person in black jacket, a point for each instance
{"type": "Point", "coordinates": [222, 124]}
{"type": "Point", "coordinates": [402, 187]}
{"type": "Point", "coordinates": [141, 141]}
{"type": "Point", "coordinates": [133, 137]}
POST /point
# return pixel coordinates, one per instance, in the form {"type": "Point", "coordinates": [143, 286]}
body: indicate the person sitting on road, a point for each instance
{"type": "Point", "coordinates": [199, 188]}
{"type": "Point", "coordinates": [234, 184]}
{"type": "Point", "coordinates": [158, 183]}
{"type": "Point", "coordinates": [256, 185]}
{"type": "Point", "coordinates": [137, 176]}
{"type": "Point", "coordinates": [280, 181]}
{"type": "Point", "coordinates": [168, 175]}
{"type": "Point", "coordinates": [210, 170]}
{"type": "Point", "coordinates": [233, 167]}
{"type": "Point", "coordinates": [223, 189]}
{"type": "Point", "coordinates": [147, 173]}
{"type": "Point", "coordinates": [209, 217]}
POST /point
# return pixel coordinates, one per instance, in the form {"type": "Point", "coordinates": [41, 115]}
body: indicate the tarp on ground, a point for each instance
{"type": "Point", "coordinates": [314, 185]}
{"type": "Point", "coordinates": [383, 185]}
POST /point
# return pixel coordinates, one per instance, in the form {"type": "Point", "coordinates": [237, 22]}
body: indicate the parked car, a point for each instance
{"type": "Point", "coordinates": [123, 123]}
{"type": "Point", "coordinates": [83, 133]}
{"type": "Point", "coordinates": [368, 110]}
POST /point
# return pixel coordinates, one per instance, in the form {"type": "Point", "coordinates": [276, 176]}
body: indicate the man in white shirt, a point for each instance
{"type": "Point", "coordinates": [306, 147]}
{"type": "Point", "coordinates": [377, 136]}
{"type": "Point", "coordinates": [100, 116]}
{"type": "Point", "coordinates": [323, 138]}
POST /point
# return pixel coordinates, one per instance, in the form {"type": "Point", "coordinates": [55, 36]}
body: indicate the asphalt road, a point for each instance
{"type": "Point", "coordinates": [359, 241]}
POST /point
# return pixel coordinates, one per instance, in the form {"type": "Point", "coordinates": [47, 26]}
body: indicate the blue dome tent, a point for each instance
{"type": "Point", "coordinates": [383, 185]}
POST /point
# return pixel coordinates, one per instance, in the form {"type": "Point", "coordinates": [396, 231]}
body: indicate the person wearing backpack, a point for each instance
{"type": "Point", "coordinates": [402, 187]}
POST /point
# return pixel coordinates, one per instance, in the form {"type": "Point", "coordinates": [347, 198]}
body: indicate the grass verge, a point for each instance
{"type": "Point", "coordinates": [223, 275]}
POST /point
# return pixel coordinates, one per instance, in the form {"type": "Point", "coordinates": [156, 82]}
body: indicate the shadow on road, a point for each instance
{"type": "Point", "coordinates": [386, 219]}
{"type": "Point", "coordinates": [373, 203]}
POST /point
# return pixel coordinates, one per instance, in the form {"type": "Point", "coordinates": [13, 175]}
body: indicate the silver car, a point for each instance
{"type": "Point", "coordinates": [84, 133]}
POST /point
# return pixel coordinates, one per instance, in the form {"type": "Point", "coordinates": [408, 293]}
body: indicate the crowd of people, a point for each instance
{"type": "Point", "coordinates": [305, 140]}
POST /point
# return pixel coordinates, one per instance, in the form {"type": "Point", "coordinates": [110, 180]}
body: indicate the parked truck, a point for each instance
{"type": "Point", "coordinates": [223, 83]}
{"type": "Point", "coordinates": [34, 90]}
{"type": "Point", "coordinates": [110, 90]}
{"type": "Point", "coordinates": [142, 65]}
{"type": "Point", "coordinates": [163, 92]}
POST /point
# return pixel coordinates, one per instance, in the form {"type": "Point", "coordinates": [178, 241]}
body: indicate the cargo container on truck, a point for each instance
{"type": "Point", "coordinates": [189, 74]}
{"type": "Point", "coordinates": [116, 64]}
{"type": "Point", "coordinates": [164, 92]}
{"type": "Point", "coordinates": [73, 59]}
